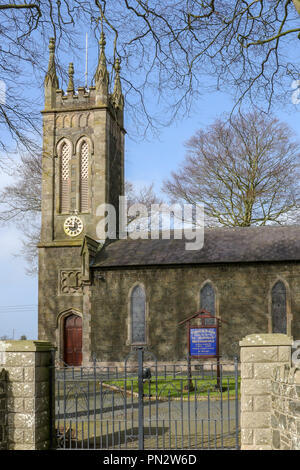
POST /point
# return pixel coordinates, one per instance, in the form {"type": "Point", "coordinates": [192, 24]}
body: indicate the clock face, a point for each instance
{"type": "Point", "coordinates": [73, 226]}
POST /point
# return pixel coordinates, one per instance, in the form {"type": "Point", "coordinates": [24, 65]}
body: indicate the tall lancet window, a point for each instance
{"type": "Point", "coordinates": [208, 300]}
{"type": "Point", "coordinates": [278, 309]}
{"type": "Point", "coordinates": [138, 315]}
{"type": "Point", "coordinates": [84, 177]}
{"type": "Point", "coordinates": [65, 178]}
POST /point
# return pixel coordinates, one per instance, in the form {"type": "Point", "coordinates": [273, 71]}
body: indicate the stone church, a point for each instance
{"type": "Point", "coordinates": [97, 302]}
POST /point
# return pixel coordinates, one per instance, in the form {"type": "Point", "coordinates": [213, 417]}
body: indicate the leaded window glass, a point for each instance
{"type": "Point", "coordinates": [208, 301]}
{"type": "Point", "coordinates": [279, 308]}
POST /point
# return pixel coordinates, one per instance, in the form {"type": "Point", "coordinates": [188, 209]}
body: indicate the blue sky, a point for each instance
{"type": "Point", "coordinates": [145, 162]}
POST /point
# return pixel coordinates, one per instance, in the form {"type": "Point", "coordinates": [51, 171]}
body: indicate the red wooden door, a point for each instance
{"type": "Point", "coordinates": [73, 340]}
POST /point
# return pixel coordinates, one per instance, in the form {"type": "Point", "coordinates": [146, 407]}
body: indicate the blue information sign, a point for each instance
{"type": "Point", "coordinates": [203, 341]}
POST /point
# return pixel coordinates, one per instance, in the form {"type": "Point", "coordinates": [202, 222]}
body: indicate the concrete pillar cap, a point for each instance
{"type": "Point", "coordinates": [25, 345]}
{"type": "Point", "coordinates": [266, 339]}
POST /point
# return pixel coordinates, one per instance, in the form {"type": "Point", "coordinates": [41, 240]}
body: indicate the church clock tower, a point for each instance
{"type": "Point", "coordinates": [82, 168]}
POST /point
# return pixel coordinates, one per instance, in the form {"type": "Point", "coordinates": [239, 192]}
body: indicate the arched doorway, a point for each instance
{"type": "Point", "coordinates": [73, 340]}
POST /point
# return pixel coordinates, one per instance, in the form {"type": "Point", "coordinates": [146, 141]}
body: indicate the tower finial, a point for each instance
{"type": "Point", "coordinates": [52, 45]}
{"type": "Point", "coordinates": [51, 77]}
{"type": "Point", "coordinates": [117, 96]}
{"type": "Point", "coordinates": [70, 88]}
{"type": "Point", "coordinates": [101, 76]}
{"type": "Point", "coordinates": [102, 42]}
{"type": "Point", "coordinates": [51, 81]}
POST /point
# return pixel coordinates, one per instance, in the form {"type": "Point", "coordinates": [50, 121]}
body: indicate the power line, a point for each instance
{"type": "Point", "coordinates": [17, 308]}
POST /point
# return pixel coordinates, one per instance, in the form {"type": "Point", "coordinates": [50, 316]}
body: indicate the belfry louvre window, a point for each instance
{"type": "Point", "coordinates": [279, 301]}
{"type": "Point", "coordinates": [138, 315]}
{"type": "Point", "coordinates": [65, 178]}
{"type": "Point", "coordinates": [84, 177]}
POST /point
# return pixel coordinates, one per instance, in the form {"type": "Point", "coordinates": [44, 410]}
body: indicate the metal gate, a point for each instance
{"type": "Point", "coordinates": [148, 405]}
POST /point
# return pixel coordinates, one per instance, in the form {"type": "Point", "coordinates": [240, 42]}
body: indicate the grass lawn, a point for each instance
{"type": "Point", "coordinates": [177, 387]}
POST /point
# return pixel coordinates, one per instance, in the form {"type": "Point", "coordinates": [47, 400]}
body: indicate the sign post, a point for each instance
{"type": "Point", "coordinates": [203, 340]}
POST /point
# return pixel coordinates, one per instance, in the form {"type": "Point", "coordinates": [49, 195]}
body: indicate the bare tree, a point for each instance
{"type": "Point", "coordinates": [147, 204]}
{"type": "Point", "coordinates": [144, 195]}
{"type": "Point", "coordinates": [245, 171]}
{"type": "Point", "coordinates": [24, 37]}
{"type": "Point", "coordinates": [244, 46]}
{"type": "Point", "coordinates": [166, 48]}
{"type": "Point", "coordinates": [21, 200]}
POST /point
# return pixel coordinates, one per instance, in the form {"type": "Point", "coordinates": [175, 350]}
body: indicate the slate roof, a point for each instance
{"type": "Point", "coordinates": [221, 245]}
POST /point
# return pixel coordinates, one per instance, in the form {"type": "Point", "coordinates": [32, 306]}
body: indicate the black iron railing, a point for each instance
{"type": "Point", "coordinates": [148, 405]}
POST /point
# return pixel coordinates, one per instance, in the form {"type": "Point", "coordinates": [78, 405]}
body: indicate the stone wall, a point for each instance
{"type": "Point", "coordinates": [3, 409]}
{"type": "Point", "coordinates": [285, 413]}
{"type": "Point", "coordinates": [260, 355]}
{"type": "Point", "coordinates": [173, 294]}
{"type": "Point", "coordinates": [29, 394]}
{"type": "Point", "coordinates": [57, 297]}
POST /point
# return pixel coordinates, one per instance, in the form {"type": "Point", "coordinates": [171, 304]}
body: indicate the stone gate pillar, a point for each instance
{"type": "Point", "coordinates": [3, 409]}
{"type": "Point", "coordinates": [30, 397]}
{"type": "Point", "coordinates": [260, 354]}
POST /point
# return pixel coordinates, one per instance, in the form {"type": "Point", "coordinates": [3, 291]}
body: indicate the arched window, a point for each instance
{"type": "Point", "coordinates": [208, 301]}
{"type": "Point", "coordinates": [65, 156]}
{"type": "Point", "coordinates": [208, 298]}
{"type": "Point", "coordinates": [84, 177]}
{"type": "Point", "coordinates": [138, 315]}
{"type": "Point", "coordinates": [278, 308]}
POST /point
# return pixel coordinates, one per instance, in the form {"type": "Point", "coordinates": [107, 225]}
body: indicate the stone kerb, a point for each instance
{"type": "Point", "coordinates": [29, 401]}
{"type": "Point", "coordinates": [260, 354]}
